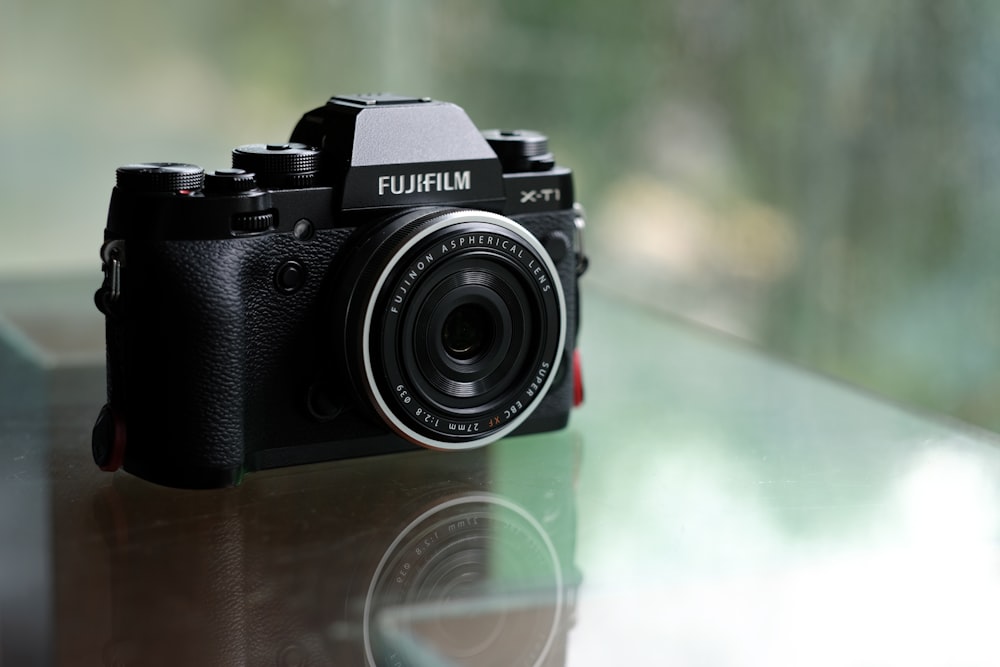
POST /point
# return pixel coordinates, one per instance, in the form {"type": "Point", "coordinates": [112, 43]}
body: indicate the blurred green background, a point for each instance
{"type": "Point", "coordinates": [814, 176]}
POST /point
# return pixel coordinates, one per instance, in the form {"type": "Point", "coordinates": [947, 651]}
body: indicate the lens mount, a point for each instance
{"type": "Point", "coordinates": [457, 325]}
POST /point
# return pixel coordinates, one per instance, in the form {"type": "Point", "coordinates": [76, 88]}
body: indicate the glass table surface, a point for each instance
{"type": "Point", "coordinates": [707, 505]}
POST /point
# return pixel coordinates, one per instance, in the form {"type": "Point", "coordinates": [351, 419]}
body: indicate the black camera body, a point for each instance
{"type": "Point", "coordinates": [390, 278]}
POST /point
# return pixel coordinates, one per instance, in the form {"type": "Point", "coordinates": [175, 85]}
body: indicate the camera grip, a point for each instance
{"type": "Point", "coordinates": [180, 386]}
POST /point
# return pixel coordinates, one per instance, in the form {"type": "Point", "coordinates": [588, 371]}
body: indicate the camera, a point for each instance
{"type": "Point", "coordinates": [389, 278]}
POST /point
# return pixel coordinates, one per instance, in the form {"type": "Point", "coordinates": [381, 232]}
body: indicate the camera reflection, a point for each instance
{"type": "Point", "coordinates": [457, 579]}
{"type": "Point", "coordinates": [411, 559]}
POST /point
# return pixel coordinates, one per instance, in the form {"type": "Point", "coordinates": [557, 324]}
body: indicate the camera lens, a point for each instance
{"type": "Point", "coordinates": [467, 331]}
{"type": "Point", "coordinates": [456, 325]}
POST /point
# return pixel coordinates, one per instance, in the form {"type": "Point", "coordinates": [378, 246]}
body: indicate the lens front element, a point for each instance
{"type": "Point", "coordinates": [462, 326]}
{"type": "Point", "coordinates": [468, 330]}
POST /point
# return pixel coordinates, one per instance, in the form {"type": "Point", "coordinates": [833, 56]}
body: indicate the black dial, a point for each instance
{"type": "Point", "coordinates": [229, 182]}
{"type": "Point", "coordinates": [521, 150]}
{"type": "Point", "coordinates": [279, 165]}
{"type": "Point", "coordinates": [160, 177]}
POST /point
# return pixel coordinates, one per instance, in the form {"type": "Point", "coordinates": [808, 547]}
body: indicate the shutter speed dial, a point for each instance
{"type": "Point", "coordinates": [279, 166]}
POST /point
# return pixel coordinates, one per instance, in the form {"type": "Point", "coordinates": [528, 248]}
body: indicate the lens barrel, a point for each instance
{"type": "Point", "coordinates": [456, 323]}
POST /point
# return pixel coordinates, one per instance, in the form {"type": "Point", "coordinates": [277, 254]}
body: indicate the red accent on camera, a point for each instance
{"type": "Point", "coordinates": [117, 457]}
{"type": "Point", "coordinates": [577, 380]}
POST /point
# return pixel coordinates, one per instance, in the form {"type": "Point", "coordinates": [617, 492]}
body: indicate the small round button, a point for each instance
{"type": "Point", "coordinates": [290, 276]}
{"type": "Point", "coordinates": [229, 182]}
{"type": "Point", "coordinates": [303, 230]}
{"type": "Point", "coordinates": [322, 403]}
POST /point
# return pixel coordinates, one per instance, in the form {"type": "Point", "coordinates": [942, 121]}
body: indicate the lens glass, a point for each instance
{"type": "Point", "coordinates": [467, 331]}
